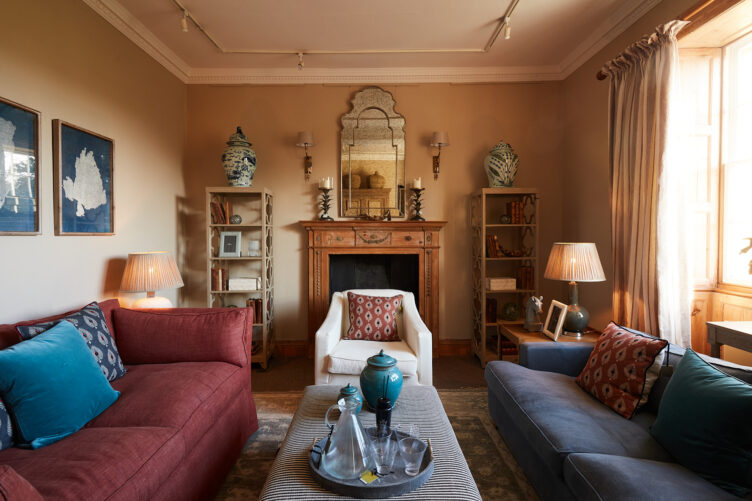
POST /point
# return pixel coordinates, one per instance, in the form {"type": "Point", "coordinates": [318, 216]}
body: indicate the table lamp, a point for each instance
{"type": "Point", "coordinates": [149, 272]}
{"type": "Point", "coordinates": [574, 262]}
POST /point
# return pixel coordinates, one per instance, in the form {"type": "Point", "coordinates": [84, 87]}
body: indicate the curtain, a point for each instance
{"type": "Point", "coordinates": [651, 264]}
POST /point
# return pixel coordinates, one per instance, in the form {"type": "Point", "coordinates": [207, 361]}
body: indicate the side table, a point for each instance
{"type": "Point", "coordinates": [517, 334]}
{"type": "Point", "coordinates": [736, 334]}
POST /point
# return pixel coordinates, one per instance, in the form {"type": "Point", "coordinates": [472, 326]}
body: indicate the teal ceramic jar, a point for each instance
{"type": "Point", "coordinates": [350, 392]}
{"type": "Point", "coordinates": [381, 378]}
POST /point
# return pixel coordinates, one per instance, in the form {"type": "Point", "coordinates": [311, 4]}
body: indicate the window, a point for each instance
{"type": "Point", "coordinates": [717, 107]}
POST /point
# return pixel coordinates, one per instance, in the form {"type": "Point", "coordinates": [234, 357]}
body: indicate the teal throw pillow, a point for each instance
{"type": "Point", "coordinates": [704, 423]}
{"type": "Point", "coordinates": [52, 385]}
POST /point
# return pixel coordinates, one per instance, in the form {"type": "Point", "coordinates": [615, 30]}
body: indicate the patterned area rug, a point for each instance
{"type": "Point", "coordinates": [494, 469]}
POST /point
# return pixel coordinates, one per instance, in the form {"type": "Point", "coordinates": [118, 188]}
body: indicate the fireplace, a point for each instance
{"type": "Point", "coordinates": [374, 271]}
{"type": "Point", "coordinates": [373, 254]}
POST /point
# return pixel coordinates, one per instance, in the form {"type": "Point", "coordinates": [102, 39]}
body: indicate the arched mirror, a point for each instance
{"type": "Point", "coordinates": [372, 159]}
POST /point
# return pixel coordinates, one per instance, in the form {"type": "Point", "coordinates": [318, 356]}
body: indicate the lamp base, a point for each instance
{"type": "Point", "coordinates": [154, 302]}
{"type": "Point", "coordinates": [576, 320]}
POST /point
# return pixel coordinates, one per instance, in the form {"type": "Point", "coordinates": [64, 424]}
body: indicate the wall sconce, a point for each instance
{"type": "Point", "coordinates": [305, 139]}
{"type": "Point", "coordinates": [438, 140]}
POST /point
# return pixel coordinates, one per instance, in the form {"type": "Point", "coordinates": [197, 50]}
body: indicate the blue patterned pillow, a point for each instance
{"type": "Point", "coordinates": [6, 428]}
{"type": "Point", "coordinates": [90, 322]}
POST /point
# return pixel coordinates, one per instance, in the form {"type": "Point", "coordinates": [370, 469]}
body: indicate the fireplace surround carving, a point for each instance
{"type": "Point", "coordinates": [419, 238]}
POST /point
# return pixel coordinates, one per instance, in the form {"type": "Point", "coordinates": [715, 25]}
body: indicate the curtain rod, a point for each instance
{"type": "Point", "coordinates": [699, 14]}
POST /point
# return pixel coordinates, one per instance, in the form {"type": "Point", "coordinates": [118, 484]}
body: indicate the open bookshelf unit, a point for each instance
{"type": "Point", "coordinates": [254, 206]}
{"type": "Point", "coordinates": [505, 246]}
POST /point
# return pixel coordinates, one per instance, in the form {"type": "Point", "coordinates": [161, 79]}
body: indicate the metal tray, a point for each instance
{"type": "Point", "coordinates": [393, 484]}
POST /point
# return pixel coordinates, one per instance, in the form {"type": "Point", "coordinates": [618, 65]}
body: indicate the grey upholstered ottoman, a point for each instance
{"type": "Point", "coordinates": [290, 478]}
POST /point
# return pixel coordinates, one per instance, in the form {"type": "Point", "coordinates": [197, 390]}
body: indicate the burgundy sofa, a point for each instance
{"type": "Point", "coordinates": [184, 413]}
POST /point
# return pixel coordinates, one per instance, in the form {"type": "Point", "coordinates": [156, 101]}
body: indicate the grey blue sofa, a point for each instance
{"type": "Point", "coordinates": [571, 446]}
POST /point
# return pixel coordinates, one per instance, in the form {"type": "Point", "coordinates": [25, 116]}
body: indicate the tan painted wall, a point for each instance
{"type": "Point", "coordinates": [476, 116]}
{"type": "Point", "coordinates": [64, 60]}
{"type": "Point", "coordinates": [587, 211]}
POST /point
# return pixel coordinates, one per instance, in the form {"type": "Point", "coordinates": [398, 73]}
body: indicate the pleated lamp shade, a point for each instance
{"type": "Point", "coordinates": [149, 272]}
{"type": "Point", "coordinates": [574, 262]}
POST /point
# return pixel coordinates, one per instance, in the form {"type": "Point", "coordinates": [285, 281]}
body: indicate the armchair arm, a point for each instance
{"type": "Point", "coordinates": [419, 339]}
{"type": "Point", "coordinates": [184, 335]}
{"type": "Point", "coordinates": [327, 337]}
{"type": "Point", "coordinates": [564, 358]}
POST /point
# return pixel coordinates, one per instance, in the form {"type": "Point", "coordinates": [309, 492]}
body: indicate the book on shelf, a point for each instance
{"type": "Point", "coordinates": [219, 279]}
{"type": "Point", "coordinates": [491, 308]}
{"type": "Point", "coordinates": [257, 306]}
{"type": "Point", "coordinates": [514, 211]}
{"type": "Point", "coordinates": [217, 213]}
{"type": "Point", "coordinates": [525, 278]}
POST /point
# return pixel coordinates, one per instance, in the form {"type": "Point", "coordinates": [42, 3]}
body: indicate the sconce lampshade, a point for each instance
{"type": "Point", "coordinates": [149, 272]}
{"type": "Point", "coordinates": [574, 262]}
{"type": "Point", "coordinates": [305, 139]}
{"type": "Point", "coordinates": [440, 139]}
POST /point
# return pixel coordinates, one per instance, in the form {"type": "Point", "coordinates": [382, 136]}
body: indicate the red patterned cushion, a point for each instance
{"type": "Point", "coordinates": [617, 372]}
{"type": "Point", "coordinates": [373, 318]}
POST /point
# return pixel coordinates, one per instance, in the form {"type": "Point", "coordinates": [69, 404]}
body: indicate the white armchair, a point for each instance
{"type": "Point", "coordinates": [340, 361]}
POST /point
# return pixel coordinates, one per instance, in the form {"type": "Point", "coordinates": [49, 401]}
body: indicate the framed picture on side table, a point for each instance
{"type": "Point", "coordinates": [19, 169]}
{"type": "Point", "coordinates": [557, 312]}
{"type": "Point", "coordinates": [229, 244]}
{"type": "Point", "coordinates": [83, 181]}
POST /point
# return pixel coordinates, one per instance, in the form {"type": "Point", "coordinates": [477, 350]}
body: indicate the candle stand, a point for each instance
{"type": "Point", "coordinates": [417, 204]}
{"type": "Point", "coordinates": [325, 204]}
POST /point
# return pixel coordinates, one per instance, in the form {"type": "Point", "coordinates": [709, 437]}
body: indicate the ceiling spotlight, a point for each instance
{"type": "Point", "coordinates": [300, 61]}
{"type": "Point", "coordinates": [507, 29]}
{"type": "Point", "coordinates": [184, 22]}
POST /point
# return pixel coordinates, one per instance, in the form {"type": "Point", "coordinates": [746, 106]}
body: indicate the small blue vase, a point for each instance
{"type": "Point", "coordinates": [381, 378]}
{"type": "Point", "coordinates": [351, 392]}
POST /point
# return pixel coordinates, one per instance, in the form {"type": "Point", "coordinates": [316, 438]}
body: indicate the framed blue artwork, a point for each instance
{"type": "Point", "coordinates": [83, 181]}
{"type": "Point", "coordinates": [19, 169]}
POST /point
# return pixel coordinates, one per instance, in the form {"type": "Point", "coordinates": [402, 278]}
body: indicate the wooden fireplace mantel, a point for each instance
{"type": "Point", "coordinates": [373, 237]}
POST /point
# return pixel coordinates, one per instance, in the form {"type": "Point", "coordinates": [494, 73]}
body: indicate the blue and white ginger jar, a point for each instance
{"type": "Point", "coordinates": [239, 160]}
{"type": "Point", "coordinates": [501, 165]}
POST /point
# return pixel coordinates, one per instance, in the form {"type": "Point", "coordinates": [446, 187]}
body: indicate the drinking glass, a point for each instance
{"type": "Point", "coordinates": [412, 450]}
{"type": "Point", "coordinates": [384, 450]}
{"type": "Point", "coordinates": [409, 429]}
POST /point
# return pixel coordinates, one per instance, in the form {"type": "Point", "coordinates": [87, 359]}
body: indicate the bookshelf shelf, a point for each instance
{"type": "Point", "coordinates": [256, 237]}
{"type": "Point", "coordinates": [493, 242]}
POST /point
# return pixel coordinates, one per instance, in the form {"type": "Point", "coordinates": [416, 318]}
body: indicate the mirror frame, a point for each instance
{"type": "Point", "coordinates": [372, 98]}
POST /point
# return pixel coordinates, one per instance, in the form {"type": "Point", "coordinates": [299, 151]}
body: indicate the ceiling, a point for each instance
{"type": "Point", "coordinates": [549, 38]}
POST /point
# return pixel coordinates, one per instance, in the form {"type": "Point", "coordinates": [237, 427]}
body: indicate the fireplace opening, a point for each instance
{"type": "Point", "coordinates": [374, 271]}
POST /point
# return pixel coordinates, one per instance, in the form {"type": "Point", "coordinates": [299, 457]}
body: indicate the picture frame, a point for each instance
{"type": "Point", "coordinates": [83, 181]}
{"type": "Point", "coordinates": [19, 181]}
{"type": "Point", "coordinates": [557, 312]}
{"type": "Point", "coordinates": [229, 243]}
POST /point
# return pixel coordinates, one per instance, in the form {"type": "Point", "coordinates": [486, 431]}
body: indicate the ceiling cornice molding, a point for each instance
{"type": "Point", "coordinates": [615, 25]}
{"type": "Point", "coordinates": [293, 76]}
{"type": "Point", "coordinates": [136, 32]}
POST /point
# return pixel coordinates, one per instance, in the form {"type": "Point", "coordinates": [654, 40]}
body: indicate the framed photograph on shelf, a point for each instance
{"type": "Point", "coordinates": [19, 169]}
{"type": "Point", "coordinates": [229, 244]}
{"type": "Point", "coordinates": [557, 312]}
{"type": "Point", "coordinates": [83, 184]}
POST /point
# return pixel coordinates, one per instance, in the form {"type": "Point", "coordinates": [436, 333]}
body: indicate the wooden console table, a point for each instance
{"type": "Point", "coordinates": [420, 238]}
{"type": "Point", "coordinates": [736, 334]}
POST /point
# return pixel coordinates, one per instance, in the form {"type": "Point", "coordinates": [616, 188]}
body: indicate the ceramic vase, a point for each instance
{"type": "Point", "coordinates": [376, 180]}
{"type": "Point", "coordinates": [352, 181]}
{"type": "Point", "coordinates": [381, 378]}
{"type": "Point", "coordinates": [239, 160]}
{"type": "Point", "coordinates": [351, 392]}
{"type": "Point", "coordinates": [501, 165]}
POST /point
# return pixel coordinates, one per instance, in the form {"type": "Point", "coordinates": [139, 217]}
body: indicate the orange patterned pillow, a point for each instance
{"type": "Point", "coordinates": [619, 371]}
{"type": "Point", "coordinates": [373, 318]}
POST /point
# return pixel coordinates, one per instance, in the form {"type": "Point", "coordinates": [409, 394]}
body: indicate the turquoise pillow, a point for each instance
{"type": "Point", "coordinates": [52, 385]}
{"type": "Point", "coordinates": [704, 422]}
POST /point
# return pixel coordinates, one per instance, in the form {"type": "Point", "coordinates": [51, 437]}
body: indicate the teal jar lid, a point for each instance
{"type": "Point", "coordinates": [348, 390]}
{"type": "Point", "coordinates": [382, 360]}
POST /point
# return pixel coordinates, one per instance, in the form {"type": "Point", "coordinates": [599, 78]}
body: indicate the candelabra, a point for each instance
{"type": "Point", "coordinates": [325, 204]}
{"type": "Point", "coordinates": [417, 204]}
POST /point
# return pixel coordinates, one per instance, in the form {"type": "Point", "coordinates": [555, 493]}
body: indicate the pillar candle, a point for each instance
{"type": "Point", "coordinates": [417, 183]}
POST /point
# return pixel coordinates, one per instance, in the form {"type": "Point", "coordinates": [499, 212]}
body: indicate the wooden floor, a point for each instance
{"type": "Point", "coordinates": [290, 374]}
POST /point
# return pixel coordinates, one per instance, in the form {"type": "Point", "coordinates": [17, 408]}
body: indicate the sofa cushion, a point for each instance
{"type": "Point", "coordinates": [14, 487]}
{"type": "Point", "coordinates": [558, 418]}
{"type": "Point", "coordinates": [154, 337]}
{"type": "Point", "coordinates": [623, 366]}
{"type": "Point", "coordinates": [349, 356]}
{"type": "Point", "coordinates": [90, 321]}
{"type": "Point", "coordinates": [373, 318]}
{"type": "Point", "coordinates": [52, 385]}
{"type": "Point", "coordinates": [703, 421]}
{"type": "Point", "coordinates": [95, 462]}
{"type": "Point", "coordinates": [595, 477]}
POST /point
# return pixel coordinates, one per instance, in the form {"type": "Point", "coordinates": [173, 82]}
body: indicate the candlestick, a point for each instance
{"type": "Point", "coordinates": [417, 203]}
{"type": "Point", "coordinates": [325, 203]}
